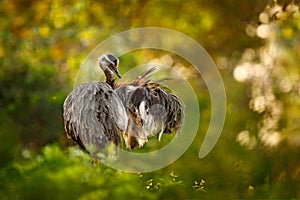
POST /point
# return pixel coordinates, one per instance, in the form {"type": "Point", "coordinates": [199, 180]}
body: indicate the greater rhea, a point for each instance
{"type": "Point", "coordinates": [98, 113]}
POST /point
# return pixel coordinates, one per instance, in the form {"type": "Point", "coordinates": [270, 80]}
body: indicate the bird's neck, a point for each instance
{"type": "Point", "coordinates": [110, 78]}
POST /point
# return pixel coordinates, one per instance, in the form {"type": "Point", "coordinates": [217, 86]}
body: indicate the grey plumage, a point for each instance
{"type": "Point", "coordinates": [150, 110]}
{"type": "Point", "coordinates": [94, 115]}
{"type": "Point", "coordinates": [97, 113]}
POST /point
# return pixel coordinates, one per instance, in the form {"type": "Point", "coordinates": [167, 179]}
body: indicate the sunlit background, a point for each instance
{"type": "Point", "coordinates": [255, 44]}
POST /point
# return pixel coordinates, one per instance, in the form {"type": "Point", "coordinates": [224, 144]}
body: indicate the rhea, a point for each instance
{"type": "Point", "coordinates": [100, 113]}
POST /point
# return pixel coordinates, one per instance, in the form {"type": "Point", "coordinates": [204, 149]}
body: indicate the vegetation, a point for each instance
{"type": "Point", "coordinates": [256, 47]}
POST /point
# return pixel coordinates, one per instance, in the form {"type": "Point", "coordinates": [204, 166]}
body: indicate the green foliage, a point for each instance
{"type": "Point", "coordinates": [71, 173]}
{"type": "Point", "coordinates": [63, 174]}
{"type": "Point", "coordinates": [42, 44]}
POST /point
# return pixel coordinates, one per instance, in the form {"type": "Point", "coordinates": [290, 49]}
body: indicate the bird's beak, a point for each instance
{"type": "Point", "coordinates": [117, 73]}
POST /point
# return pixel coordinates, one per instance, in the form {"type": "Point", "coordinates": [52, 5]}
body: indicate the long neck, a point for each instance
{"type": "Point", "coordinates": [110, 78]}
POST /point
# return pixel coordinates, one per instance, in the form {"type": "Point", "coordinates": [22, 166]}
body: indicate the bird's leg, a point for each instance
{"type": "Point", "coordinates": [133, 141]}
{"type": "Point", "coordinates": [95, 161]}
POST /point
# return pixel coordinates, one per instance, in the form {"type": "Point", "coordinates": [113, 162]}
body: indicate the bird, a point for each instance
{"type": "Point", "coordinates": [98, 113]}
{"type": "Point", "coordinates": [94, 114]}
{"type": "Point", "coordinates": [150, 108]}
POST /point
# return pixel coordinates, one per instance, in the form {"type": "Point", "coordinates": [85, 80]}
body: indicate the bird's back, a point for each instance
{"type": "Point", "coordinates": [150, 109]}
{"type": "Point", "coordinates": [94, 116]}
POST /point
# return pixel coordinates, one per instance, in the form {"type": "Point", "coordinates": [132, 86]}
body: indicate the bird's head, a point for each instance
{"type": "Point", "coordinates": [109, 62]}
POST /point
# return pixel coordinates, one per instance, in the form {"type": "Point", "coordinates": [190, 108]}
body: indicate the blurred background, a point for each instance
{"type": "Point", "coordinates": [255, 44]}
